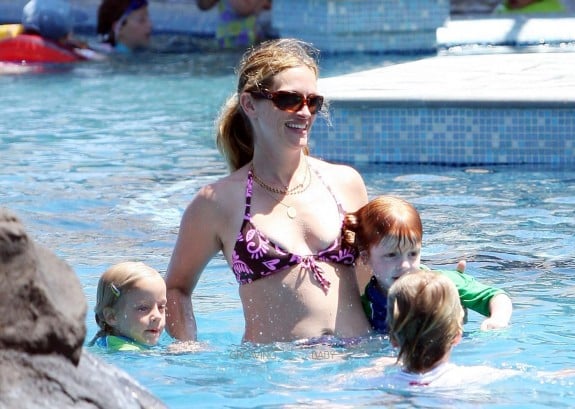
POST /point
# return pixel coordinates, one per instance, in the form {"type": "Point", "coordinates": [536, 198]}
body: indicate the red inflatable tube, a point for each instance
{"type": "Point", "coordinates": [31, 49]}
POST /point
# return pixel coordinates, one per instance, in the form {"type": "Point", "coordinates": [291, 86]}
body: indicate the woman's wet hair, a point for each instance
{"type": "Point", "coordinates": [257, 70]}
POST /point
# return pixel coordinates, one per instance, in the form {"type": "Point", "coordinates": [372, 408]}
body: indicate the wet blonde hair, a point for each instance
{"type": "Point", "coordinates": [112, 284]}
{"type": "Point", "coordinates": [256, 71]}
{"type": "Point", "coordinates": [383, 217]}
{"type": "Point", "coordinates": [424, 316]}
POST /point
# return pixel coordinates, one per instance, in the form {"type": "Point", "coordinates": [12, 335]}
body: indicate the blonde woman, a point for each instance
{"type": "Point", "coordinates": [277, 216]}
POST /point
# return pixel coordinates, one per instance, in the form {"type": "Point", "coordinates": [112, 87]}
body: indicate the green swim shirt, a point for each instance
{"type": "Point", "coordinates": [119, 344]}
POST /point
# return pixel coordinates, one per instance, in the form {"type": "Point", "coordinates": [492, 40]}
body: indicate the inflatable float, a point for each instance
{"type": "Point", "coordinates": [18, 47]}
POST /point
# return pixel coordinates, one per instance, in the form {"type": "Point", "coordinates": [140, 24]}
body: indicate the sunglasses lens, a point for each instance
{"type": "Point", "coordinates": [293, 101]}
{"type": "Point", "coordinates": [288, 101]}
{"type": "Point", "coordinates": [314, 103]}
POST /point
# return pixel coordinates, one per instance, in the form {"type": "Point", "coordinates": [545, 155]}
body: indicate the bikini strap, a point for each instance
{"type": "Point", "coordinates": [249, 190]}
{"type": "Point", "coordinates": [339, 206]}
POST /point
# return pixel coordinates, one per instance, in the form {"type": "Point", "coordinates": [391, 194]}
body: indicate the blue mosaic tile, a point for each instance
{"type": "Point", "coordinates": [455, 136]}
{"type": "Point", "coordinates": [362, 25]}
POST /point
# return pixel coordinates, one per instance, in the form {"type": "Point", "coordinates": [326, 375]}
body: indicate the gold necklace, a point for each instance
{"type": "Point", "coordinates": [299, 188]}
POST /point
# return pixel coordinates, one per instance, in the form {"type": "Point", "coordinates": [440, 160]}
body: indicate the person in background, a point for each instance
{"type": "Point", "coordinates": [130, 307]}
{"type": "Point", "coordinates": [238, 23]}
{"type": "Point", "coordinates": [53, 21]}
{"type": "Point", "coordinates": [425, 321]}
{"type": "Point", "coordinates": [124, 26]}
{"type": "Point", "coordinates": [387, 233]}
{"type": "Point", "coordinates": [277, 217]}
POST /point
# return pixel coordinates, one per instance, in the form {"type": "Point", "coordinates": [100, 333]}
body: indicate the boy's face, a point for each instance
{"type": "Point", "coordinates": [136, 30]}
{"type": "Point", "coordinates": [389, 260]}
{"type": "Point", "coordinates": [141, 312]}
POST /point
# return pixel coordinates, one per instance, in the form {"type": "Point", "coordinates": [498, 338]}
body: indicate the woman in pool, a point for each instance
{"type": "Point", "coordinates": [124, 25]}
{"type": "Point", "coordinates": [277, 216]}
{"type": "Point", "coordinates": [388, 234]}
{"type": "Point", "coordinates": [130, 307]}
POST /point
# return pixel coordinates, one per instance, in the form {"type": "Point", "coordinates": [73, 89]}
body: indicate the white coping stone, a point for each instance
{"type": "Point", "coordinates": [527, 77]}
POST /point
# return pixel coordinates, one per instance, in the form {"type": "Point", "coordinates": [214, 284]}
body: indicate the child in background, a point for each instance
{"type": "Point", "coordinates": [239, 25]}
{"type": "Point", "coordinates": [388, 233]}
{"type": "Point", "coordinates": [130, 307]}
{"type": "Point", "coordinates": [124, 26]}
{"type": "Point", "coordinates": [53, 21]}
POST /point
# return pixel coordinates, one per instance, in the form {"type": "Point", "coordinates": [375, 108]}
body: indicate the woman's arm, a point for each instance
{"type": "Point", "coordinates": [197, 243]}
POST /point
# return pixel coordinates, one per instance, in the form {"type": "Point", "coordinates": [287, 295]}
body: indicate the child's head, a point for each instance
{"type": "Point", "coordinates": [388, 233]}
{"type": "Point", "coordinates": [425, 319]}
{"type": "Point", "coordinates": [125, 22]}
{"type": "Point", "coordinates": [51, 19]}
{"type": "Point", "coordinates": [131, 302]}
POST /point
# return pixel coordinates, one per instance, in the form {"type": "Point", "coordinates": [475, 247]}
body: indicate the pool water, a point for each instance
{"type": "Point", "coordinates": [100, 160]}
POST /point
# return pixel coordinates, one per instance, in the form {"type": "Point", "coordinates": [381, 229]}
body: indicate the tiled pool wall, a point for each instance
{"type": "Point", "coordinates": [339, 26]}
{"type": "Point", "coordinates": [447, 135]}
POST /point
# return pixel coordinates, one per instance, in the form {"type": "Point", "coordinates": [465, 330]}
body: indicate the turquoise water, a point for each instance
{"type": "Point", "coordinates": [100, 160]}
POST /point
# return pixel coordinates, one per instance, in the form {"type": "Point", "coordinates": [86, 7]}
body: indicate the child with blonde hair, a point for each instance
{"type": "Point", "coordinates": [387, 232]}
{"type": "Point", "coordinates": [130, 307]}
{"type": "Point", "coordinates": [425, 321]}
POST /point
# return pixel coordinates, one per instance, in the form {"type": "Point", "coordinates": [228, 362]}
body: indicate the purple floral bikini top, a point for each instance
{"type": "Point", "coordinates": [255, 256]}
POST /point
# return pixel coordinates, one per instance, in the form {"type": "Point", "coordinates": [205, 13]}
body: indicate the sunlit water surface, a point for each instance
{"type": "Point", "coordinates": [100, 160]}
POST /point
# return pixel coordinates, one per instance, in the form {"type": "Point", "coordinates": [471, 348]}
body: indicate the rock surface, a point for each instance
{"type": "Point", "coordinates": [42, 330]}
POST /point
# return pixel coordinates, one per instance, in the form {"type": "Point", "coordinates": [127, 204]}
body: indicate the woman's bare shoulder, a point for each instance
{"type": "Point", "coordinates": [222, 196]}
{"type": "Point", "coordinates": [345, 181]}
{"type": "Point", "coordinates": [336, 170]}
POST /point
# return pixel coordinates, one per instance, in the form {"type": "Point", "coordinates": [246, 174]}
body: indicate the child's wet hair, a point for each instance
{"type": "Point", "coordinates": [424, 317]}
{"type": "Point", "coordinates": [383, 217]}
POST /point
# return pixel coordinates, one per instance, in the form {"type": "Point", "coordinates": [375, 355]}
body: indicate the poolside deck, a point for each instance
{"type": "Point", "coordinates": [512, 108]}
{"type": "Point", "coordinates": [507, 79]}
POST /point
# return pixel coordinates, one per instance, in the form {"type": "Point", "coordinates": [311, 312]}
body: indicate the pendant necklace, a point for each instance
{"type": "Point", "coordinates": [299, 188]}
{"type": "Point", "coordinates": [290, 210]}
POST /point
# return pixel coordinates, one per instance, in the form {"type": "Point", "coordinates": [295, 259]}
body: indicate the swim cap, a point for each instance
{"type": "Point", "coordinates": [50, 18]}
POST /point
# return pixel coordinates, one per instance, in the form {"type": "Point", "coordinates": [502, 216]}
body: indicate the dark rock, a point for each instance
{"type": "Point", "coordinates": [42, 330]}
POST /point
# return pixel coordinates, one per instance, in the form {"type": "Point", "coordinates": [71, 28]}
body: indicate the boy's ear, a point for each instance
{"type": "Point", "coordinates": [109, 316]}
